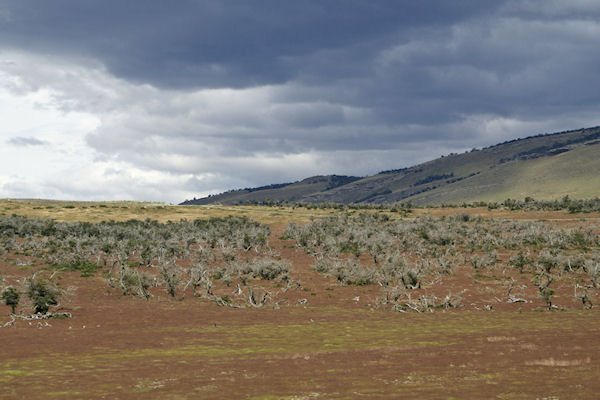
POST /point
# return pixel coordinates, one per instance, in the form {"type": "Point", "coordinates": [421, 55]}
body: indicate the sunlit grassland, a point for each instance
{"type": "Point", "coordinates": [70, 211]}
{"type": "Point", "coordinates": [82, 211]}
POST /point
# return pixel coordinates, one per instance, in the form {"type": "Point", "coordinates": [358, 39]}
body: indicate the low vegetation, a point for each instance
{"type": "Point", "coordinates": [229, 260]}
{"type": "Point", "coordinates": [402, 255]}
{"type": "Point", "coordinates": [136, 256]}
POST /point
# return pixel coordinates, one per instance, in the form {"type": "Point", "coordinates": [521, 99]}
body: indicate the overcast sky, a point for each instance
{"type": "Point", "coordinates": [169, 100]}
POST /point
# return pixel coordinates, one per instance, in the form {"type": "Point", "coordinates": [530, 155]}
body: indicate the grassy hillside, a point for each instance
{"type": "Point", "coordinates": [296, 191]}
{"type": "Point", "coordinates": [544, 167]}
{"type": "Point", "coordinates": [574, 173]}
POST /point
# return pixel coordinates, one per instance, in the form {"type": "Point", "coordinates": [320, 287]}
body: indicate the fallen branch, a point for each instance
{"type": "Point", "coordinates": [412, 307]}
{"type": "Point", "coordinates": [222, 303]}
{"type": "Point", "coordinates": [36, 317]}
{"type": "Point", "coordinates": [47, 315]}
{"type": "Point", "coordinates": [11, 322]}
{"type": "Point", "coordinates": [511, 298]}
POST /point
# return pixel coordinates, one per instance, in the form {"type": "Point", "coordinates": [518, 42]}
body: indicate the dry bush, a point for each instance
{"type": "Point", "coordinates": [199, 278]}
{"type": "Point", "coordinates": [258, 268]}
{"type": "Point", "coordinates": [592, 268]}
{"type": "Point", "coordinates": [481, 261]}
{"type": "Point", "coordinates": [347, 272]}
{"type": "Point", "coordinates": [171, 277]}
{"type": "Point", "coordinates": [269, 269]}
{"type": "Point", "coordinates": [132, 282]}
{"type": "Point", "coordinates": [398, 299]}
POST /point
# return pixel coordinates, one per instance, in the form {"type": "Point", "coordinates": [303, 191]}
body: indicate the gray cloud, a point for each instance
{"type": "Point", "coordinates": [25, 141]}
{"type": "Point", "coordinates": [213, 95]}
{"type": "Point", "coordinates": [211, 43]}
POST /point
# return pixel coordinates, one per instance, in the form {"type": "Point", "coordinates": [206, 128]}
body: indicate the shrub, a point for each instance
{"type": "Point", "coordinates": [347, 272]}
{"type": "Point", "coordinates": [546, 294]}
{"type": "Point", "coordinates": [592, 267]}
{"type": "Point", "coordinates": [547, 262]}
{"type": "Point", "coordinates": [171, 278]}
{"type": "Point", "coordinates": [43, 294]}
{"type": "Point", "coordinates": [543, 281]}
{"type": "Point", "coordinates": [267, 269]}
{"type": "Point", "coordinates": [199, 277]}
{"type": "Point", "coordinates": [411, 279]}
{"type": "Point", "coordinates": [520, 261]}
{"type": "Point", "coordinates": [135, 283]}
{"type": "Point", "coordinates": [11, 296]}
{"type": "Point", "coordinates": [261, 268]}
{"type": "Point", "coordinates": [484, 260]}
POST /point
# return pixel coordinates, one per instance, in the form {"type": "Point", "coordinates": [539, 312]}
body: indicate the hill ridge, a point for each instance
{"type": "Point", "coordinates": [544, 166]}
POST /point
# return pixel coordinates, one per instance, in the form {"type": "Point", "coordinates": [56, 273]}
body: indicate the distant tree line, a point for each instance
{"type": "Point", "coordinates": [432, 178]}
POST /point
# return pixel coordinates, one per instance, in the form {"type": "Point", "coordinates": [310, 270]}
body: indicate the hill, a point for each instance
{"type": "Point", "coordinates": [545, 167]}
{"type": "Point", "coordinates": [293, 191]}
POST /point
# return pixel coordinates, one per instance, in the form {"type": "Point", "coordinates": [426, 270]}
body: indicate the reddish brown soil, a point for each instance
{"type": "Point", "coordinates": [334, 346]}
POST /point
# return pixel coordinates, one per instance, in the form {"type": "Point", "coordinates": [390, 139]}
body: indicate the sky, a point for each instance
{"type": "Point", "coordinates": [170, 100]}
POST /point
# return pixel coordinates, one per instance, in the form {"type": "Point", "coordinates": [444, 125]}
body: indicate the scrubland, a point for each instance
{"type": "Point", "coordinates": [144, 300]}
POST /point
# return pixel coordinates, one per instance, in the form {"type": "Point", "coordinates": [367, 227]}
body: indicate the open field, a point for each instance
{"type": "Point", "coordinates": [69, 211]}
{"type": "Point", "coordinates": [453, 303]}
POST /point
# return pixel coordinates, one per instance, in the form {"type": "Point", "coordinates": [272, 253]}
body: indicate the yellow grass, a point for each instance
{"type": "Point", "coordinates": [124, 210]}
{"type": "Point", "coordinates": [71, 211]}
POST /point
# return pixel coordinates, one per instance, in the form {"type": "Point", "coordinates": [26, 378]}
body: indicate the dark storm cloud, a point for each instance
{"type": "Point", "coordinates": [407, 61]}
{"type": "Point", "coordinates": [242, 93]}
{"type": "Point", "coordinates": [234, 43]}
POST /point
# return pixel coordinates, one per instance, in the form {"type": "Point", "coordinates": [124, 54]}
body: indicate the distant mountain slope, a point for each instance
{"type": "Point", "coordinates": [544, 167]}
{"type": "Point", "coordinates": [295, 191]}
